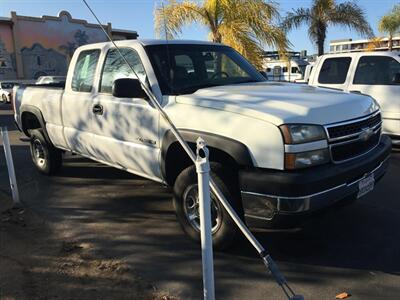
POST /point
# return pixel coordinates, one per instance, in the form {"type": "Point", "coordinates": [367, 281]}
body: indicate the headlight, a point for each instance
{"type": "Point", "coordinates": [306, 159]}
{"type": "Point", "coordinates": [299, 133]}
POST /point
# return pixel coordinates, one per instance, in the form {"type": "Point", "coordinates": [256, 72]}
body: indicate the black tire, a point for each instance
{"type": "Point", "coordinates": [45, 156]}
{"type": "Point", "coordinates": [224, 229]}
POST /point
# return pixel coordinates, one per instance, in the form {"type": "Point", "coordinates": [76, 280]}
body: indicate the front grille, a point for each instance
{"type": "Point", "coordinates": [348, 141]}
{"type": "Point", "coordinates": [353, 149]}
{"type": "Point", "coordinates": [353, 128]}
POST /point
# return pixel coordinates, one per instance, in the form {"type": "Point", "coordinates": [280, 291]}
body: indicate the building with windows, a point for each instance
{"type": "Point", "coordinates": [377, 44]}
{"type": "Point", "coordinates": [36, 46]}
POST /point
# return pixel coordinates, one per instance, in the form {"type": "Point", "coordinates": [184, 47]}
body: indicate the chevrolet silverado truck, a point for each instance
{"type": "Point", "coordinates": [279, 151]}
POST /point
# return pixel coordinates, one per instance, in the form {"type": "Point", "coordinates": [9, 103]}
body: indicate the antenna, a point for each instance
{"type": "Point", "coordinates": [267, 259]}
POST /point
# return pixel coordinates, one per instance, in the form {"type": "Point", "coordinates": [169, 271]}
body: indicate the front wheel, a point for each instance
{"type": "Point", "coordinates": [186, 203]}
{"type": "Point", "coordinates": [45, 156]}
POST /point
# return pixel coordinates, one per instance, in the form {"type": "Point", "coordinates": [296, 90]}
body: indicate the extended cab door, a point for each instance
{"type": "Point", "coordinates": [77, 102]}
{"type": "Point", "coordinates": [125, 129]}
{"type": "Point", "coordinates": [378, 75]}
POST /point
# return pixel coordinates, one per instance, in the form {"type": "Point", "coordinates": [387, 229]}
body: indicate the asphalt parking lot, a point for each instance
{"type": "Point", "coordinates": [355, 249]}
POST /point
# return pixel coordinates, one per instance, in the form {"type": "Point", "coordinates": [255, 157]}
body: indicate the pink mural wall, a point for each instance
{"type": "Point", "coordinates": [7, 61]}
{"type": "Point", "coordinates": [34, 46]}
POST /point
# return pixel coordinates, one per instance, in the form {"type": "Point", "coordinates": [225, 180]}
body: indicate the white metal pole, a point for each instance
{"type": "Point", "coordinates": [10, 165]}
{"type": "Point", "coordinates": [203, 175]}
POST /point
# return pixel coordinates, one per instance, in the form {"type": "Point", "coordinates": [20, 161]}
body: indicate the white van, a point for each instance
{"type": "Point", "coordinates": [376, 74]}
{"type": "Point", "coordinates": [280, 70]}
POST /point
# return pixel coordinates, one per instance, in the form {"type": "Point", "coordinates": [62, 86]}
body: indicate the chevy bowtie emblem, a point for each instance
{"type": "Point", "coordinates": [366, 133]}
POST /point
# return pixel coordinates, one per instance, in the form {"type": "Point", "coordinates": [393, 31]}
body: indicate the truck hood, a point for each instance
{"type": "Point", "coordinates": [281, 103]}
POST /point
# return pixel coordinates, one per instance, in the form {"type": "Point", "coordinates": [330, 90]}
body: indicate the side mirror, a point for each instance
{"type": "Point", "coordinates": [263, 73]}
{"type": "Point", "coordinates": [128, 88]}
{"type": "Point", "coordinates": [396, 78]}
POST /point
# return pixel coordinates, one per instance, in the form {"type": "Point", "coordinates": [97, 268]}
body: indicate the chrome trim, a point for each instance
{"type": "Point", "coordinates": [357, 156]}
{"type": "Point", "coordinates": [332, 141]}
{"type": "Point", "coordinates": [327, 126]}
{"type": "Point", "coordinates": [291, 197]}
{"type": "Point", "coordinates": [311, 146]}
{"type": "Point", "coordinates": [319, 193]}
{"type": "Point", "coordinates": [354, 134]}
{"type": "Point", "coordinates": [353, 120]}
{"type": "Point", "coordinates": [375, 130]}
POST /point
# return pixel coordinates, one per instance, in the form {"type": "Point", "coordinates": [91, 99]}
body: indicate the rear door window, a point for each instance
{"type": "Point", "coordinates": [334, 70]}
{"type": "Point", "coordinates": [377, 70]}
{"type": "Point", "coordinates": [85, 69]}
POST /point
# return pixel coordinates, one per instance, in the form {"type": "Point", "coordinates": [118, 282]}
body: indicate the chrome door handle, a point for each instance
{"type": "Point", "coordinates": [97, 109]}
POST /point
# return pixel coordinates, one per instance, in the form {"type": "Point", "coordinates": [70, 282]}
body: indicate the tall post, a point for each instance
{"type": "Point", "coordinates": [203, 175]}
{"type": "Point", "coordinates": [10, 166]}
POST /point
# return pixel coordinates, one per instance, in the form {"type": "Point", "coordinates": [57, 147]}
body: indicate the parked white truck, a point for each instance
{"type": "Point", "coordinates": [279, 151]}
{"type": "Point", "coordinates": [376, 74]}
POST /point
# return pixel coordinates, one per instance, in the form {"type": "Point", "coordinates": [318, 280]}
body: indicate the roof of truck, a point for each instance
{"type": "Point", "coordinates": [148, 42]}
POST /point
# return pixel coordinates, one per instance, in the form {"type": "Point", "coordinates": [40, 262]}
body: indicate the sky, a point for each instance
{"type": "Point", "coordinates": [138, 15]}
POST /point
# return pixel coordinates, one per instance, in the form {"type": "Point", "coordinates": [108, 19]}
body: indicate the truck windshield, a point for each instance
{"type": "Point", "coordinates": [183, 69]}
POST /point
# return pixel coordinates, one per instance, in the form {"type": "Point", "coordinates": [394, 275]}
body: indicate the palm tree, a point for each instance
{"type": "Point", "coordinates": [245, 25]}
{"type": "Point", "coordinates": [69, 49]}
{"type": "Point", "coordinates": [324, 13]}
{"type": "Point", "coordinates": [390, 24]}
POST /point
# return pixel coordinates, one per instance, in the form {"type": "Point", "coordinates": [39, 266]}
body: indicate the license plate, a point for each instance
{"type": "Point", "coordinates": [366, 185]}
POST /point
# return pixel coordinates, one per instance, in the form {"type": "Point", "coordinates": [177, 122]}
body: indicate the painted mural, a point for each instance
{"type": "Point", "coordinates": [44, 45]}
{"type": "Point", "coordinates": [7, 59]}
{"type": "Point", "coordinates": [39, 61]}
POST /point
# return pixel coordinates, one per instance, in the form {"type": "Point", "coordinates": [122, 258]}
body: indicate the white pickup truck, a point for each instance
{"type": "Point", "coordinates": [279, 151]}
{"type": "Point", "coordinates": [376, 74]}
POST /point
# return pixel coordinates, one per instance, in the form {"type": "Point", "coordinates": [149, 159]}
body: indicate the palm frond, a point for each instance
{"type": "Point", "coordinates": [171, 18]}
{"type": "Point", "coordinates": [257, 17]}
{"type": "Point", "coordinates": [390, 23]}
{"type": "Point", "coordinates": [349, 14]}
{"type": "Point", "coordinates": [296, 18]}
{"type": "Point", "coordinates": [238, 36]}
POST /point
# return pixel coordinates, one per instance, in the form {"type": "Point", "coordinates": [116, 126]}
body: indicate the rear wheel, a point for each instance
{"type": "Point", "coordinates": [186, 203]}
{"type": "Point", "coordinates": [45, 156]}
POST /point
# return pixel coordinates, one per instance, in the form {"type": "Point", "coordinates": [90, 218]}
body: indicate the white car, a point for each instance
{"type": "Point", "coordinates": [5, 91]}
{"type": "Point", "coordinates": [376, 74]}
{"type": "Point", "coordinates": [278, 151]}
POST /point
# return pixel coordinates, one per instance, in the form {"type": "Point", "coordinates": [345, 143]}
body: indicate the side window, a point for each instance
{"type": "Point", "coordinates": [334, 70]}
{"type": "Point", "coordinates": [85, 68]}
{"type": "Point", "coordinates": [295, 70]}
{"type": "Point", "coordinates": [377, 70]}
{"type": "Point", "coordinates": [115, 67]}
{"type": "Point", "coordinates": [284, 69]}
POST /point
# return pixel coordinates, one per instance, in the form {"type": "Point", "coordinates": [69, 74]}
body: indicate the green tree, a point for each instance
{"type": "Point", "coordinates": [390, 24]}
{"type": "Point", "coordinates": [245, 25]}
{"type": "Point", "coordinates": [324, 13]}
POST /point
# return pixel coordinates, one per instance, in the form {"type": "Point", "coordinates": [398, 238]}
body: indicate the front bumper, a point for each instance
{"type": "Point", "coordinates": [280, 199]}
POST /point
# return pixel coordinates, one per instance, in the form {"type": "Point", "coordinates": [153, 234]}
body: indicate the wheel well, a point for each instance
{"type": "Point", "coordinates": [176, 160]}
{"type": "Point", "coordinates": [29, 121]}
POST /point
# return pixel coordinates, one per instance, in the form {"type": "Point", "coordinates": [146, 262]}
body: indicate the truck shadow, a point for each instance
{"type": "Point", "coordinates": [125, 216]}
